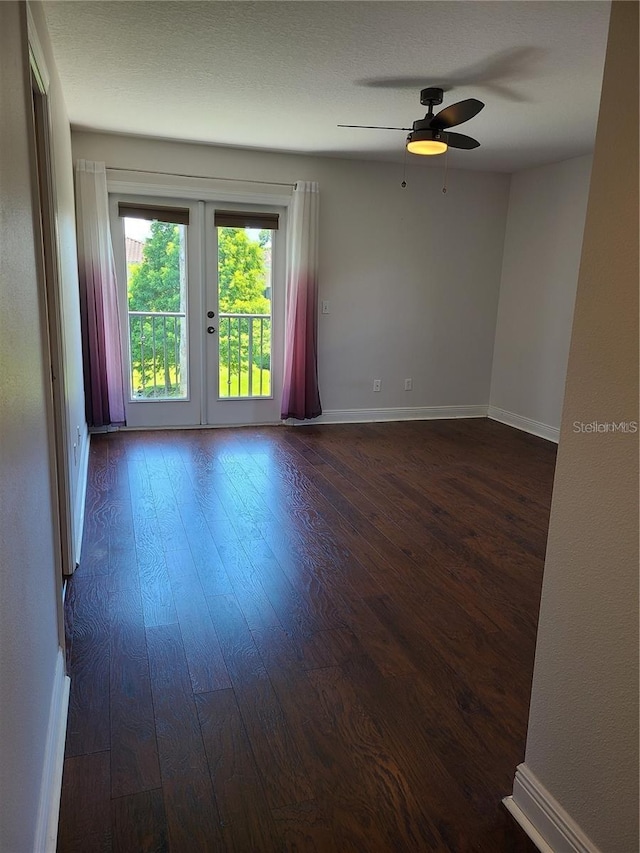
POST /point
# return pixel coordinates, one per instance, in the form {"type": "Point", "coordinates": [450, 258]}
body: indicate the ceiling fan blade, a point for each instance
{"type": "Point", "coordinates": [456, 114]}
{"type": "Point", "coordinates": [459, 140]}
{"type": "Point", "coordinates": [373, 127]}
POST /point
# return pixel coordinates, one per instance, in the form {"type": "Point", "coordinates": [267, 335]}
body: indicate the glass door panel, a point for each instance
{"type": "Point", "coordinates": [157, 309]}
{"type": "Point", "coordinates": [158, 253]}
{"type": "Point", "coordinates": [244, 317]}
{"type": "Point", "coordinates": [245, 293]}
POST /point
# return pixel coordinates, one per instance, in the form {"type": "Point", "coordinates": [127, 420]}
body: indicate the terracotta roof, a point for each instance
{"type": "Point", "coordinates": [133, 250]}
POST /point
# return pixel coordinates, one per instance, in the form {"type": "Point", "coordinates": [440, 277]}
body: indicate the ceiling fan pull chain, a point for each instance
{"type": "Point", "coordinates": [446, 165]}
{"type": "Point", "coordinates": [404, 170]}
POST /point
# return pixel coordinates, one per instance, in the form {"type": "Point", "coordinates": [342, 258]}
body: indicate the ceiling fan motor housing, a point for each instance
{"type": "Point", "coordinates": [431, 96]}
{"type": "Point", "coordinates": [425, 124]}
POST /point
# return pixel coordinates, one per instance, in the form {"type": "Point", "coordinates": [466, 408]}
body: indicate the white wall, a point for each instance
{"type": "Point", "coordinates": [77, 437]}
{"type": "Point", "coordinates": [545, 224]}
{"type": "Point", "coordinates": [412, 275]}
{"type": "Point", "coordinates": [582, 743]}
{"type": "Point", "coordinates": [29, 588]}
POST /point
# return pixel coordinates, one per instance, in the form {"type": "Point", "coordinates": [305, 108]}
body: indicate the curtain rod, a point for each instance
{"type": "Point", "coordinates": [202, 177]}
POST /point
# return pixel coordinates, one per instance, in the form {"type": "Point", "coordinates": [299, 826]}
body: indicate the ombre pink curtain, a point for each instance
{"type": "Point", "coordinates": [103, 378]}
{"type": "Point", "coordinates": [300, 397]}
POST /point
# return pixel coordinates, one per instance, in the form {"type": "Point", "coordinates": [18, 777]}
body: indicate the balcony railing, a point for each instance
{"type": "Point", "coordinates": [244, 355]}
{"type": "Point", "coordinates": [158, 355]}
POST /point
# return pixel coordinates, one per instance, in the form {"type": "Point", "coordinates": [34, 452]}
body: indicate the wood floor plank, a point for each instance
{"type": "Point", "coordinates": [134, 752]}
{"type": "Point", "coordinates": [295, 610]}
{"type": "Point", "coordinates": [378, 641]}
{"type": "Point", "coordinates": [139, 823]}
{"type": "Point", "coordinates": [140, 488]}
{"type": "Point", "coordinates": [188, 596]}
{"type": "Point", "coordinates": [248, 586]}
{"type": "Point", "coordinates": [287, 654]}
{"type": "Point", "coordinates": [85, 806]}
{"type": "Point", "coordinates": [310, 827]}
{"type": "Point", "coordinates": [242, 801]}
{"type": "Point", "coordinates": [207, 668]}
{"type": "Point", "coordinates": [206, 664]}
{"type": "Point", "coordinates": [211, 571]}
{"type": "Point", "coordinates": [375, 798]}
{"type": "Point", "coordinates": [170, 526]}
{"type": "Point", "coordinates": [191, 810]}
{"type": "Point", "coordinates": [88, 717]}
{"type": "Point", "coordinates": [155, 586]}
{"type": "Point", "coordinates": [271, 739]}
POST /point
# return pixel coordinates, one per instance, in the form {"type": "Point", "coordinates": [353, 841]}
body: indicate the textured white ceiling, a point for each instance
{"type": "Point", "coordinates": [282, 75]}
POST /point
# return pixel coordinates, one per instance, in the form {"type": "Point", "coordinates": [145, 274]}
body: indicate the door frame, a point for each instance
{"type": "Point", "coordinates": [163, 413]}
{"type": "Point", "coordinates": [51, 302]}
{"type": "Point", "coordinates": [224, 411]}
{"type": "Point", "coordinates": [181, 190]}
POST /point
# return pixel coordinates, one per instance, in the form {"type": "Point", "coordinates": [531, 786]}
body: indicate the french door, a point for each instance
{"type": "Point", "coordinates": [201, 288]}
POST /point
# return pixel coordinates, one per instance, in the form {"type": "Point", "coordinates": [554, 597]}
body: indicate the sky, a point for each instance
{"type": "Point", "coordinates": [140, 229]}
{"type": "Point", "coordinates": [137, 229]}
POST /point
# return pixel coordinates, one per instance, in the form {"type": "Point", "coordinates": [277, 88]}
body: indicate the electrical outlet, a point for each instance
{"type": "Point", "coordinates": [325, 306]}
{"type": "Point", "coordinates": [377, 384]}
{"type": "Point", "coordinates": [408, 384]}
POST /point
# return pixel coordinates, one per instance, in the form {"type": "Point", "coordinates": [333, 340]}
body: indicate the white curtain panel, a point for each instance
{"type": "Point", "coordinates": [301, 397]}
{"type": "Point", "coordinates": [98, 298]}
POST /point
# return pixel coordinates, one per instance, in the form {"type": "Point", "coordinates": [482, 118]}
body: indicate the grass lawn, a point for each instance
{"type": "Point", "coordinates": [224, 391]}
{"type": "Point", "coordinates": [243, 391]}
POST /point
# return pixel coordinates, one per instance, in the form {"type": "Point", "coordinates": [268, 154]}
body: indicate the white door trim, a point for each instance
{"type": "Point", "coordinates": [159, 413]}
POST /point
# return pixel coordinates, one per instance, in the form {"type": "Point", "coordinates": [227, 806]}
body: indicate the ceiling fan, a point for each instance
{"type": "Point", "coordinates": [431, 135]}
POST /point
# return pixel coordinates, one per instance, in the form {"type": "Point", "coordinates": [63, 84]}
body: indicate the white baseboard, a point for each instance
{"type": "Point", "coordinates": [525, 424]}
{"type": "Point", "coordinates": [423, 413]}
{"type": "Point", "coordinates": [81, 496]}
{"type": "Point", "coordinates": [544, 820]}
{"type": "Point", "coordinates": [51, 786]}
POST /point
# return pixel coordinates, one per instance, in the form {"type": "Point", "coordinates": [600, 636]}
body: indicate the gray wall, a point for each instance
{"type": "Point", "coordinates": [412, 274]}
{"type": "Point", "coordinates": [582, 742]}
{"type": "Point", "coordinates": [545, 224]}
{"type": "Point", "coordinates": [28, 588]}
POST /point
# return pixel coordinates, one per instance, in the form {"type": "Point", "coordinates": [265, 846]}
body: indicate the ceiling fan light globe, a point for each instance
{"type": "Point", "coordinates": [426, 146]}
{"type": "Point", "coordinates": [427, 141]}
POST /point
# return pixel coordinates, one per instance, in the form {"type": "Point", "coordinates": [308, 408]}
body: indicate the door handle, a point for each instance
{"type": "Point", "coordinates": [211, 329]}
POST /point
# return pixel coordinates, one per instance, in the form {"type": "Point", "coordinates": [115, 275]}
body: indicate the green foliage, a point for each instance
{"type": "Point", "coordinates": [242, 281]}
{"type": "Point", "coordinates": [232, 390]}
{"type": "Point", "coordinates": [155, 285]}
{"type": "Point", "coordinates": [241, 272]}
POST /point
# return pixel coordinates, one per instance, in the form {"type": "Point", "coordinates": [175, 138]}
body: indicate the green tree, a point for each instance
{"type": "Point", "coordinates": [241, 272]}
{"type": "Point", "coordinates": [242, 283]}
{"type": "Point", "coordinates": [155, 285]}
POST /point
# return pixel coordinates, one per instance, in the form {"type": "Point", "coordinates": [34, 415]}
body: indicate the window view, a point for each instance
{"type": "Point", "coordinates": [156, 289]}
{"type": "Point", "coordinates": [244, 320]}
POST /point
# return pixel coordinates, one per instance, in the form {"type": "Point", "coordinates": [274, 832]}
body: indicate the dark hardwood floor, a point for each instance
{"type": "Point", "coordinates": [304, 639]}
